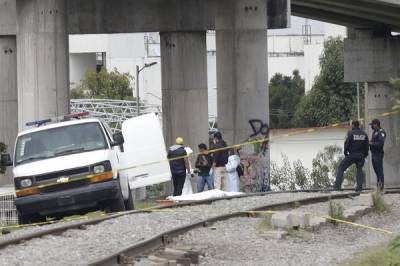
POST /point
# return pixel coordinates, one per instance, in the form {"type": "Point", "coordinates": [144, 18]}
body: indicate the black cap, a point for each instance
{"type": "Point", "coordinates": [375, 122]}
{"type": "Point", "coordinates": [218, 135]}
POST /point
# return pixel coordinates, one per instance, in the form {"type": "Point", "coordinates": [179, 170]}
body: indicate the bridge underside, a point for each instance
{"type": "Point", "coordinates": [354, 13]}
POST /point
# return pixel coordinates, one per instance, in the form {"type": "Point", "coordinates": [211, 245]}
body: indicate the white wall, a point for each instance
{"type": "Point", "coordinates": [80, 64]}
{"type": "Point", "coordinates": [305, 146]}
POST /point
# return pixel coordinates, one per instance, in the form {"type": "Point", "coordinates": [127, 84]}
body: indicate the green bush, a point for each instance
{"type": "Point", "coordinates": [336, 210]}
{"type": "Point", "coordinates": [379, 203]}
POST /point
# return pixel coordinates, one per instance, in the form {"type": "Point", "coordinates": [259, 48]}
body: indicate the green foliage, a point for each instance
{"type": "Point", "coordinates": [285, 94]}
{"type": "Point", "coordinates": [104, 85]}
{"type": "Point", "coordinates": [379, 204]}
{"type": "Point", "coordinates": [336, 210]}
{"type": "Point", "coordinates": [396, 86]}
{"type": "Point", "coordinates": [325, 166]}
{"type": "Point", "coordinates": [291, 176]}
{"type": "Point", "coordinates": [330, 99]}
{"type": "Point", "coordinates": [387, 255]}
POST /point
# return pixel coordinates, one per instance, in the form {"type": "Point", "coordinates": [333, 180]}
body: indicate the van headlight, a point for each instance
{"type": "Point", "coordinates": [97, 169]}
{"type": "Point", "coordinates": [101, 167]}
{"type": "Point", "coordinates": [24, 183]}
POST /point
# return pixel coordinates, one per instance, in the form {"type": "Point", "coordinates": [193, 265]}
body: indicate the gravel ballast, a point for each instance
{"type": "Point", "coordinates": [80, 247]}
{"type": "Point", "coordinates": [239, 241]}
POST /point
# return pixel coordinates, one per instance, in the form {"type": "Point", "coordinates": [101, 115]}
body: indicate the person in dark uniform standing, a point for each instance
{"type": "Point", "coordinates": [179, 165]}
{"type": "Point", "coordinates": [355, 151]}
{"type": "Point", "coordinates": [376, 147]}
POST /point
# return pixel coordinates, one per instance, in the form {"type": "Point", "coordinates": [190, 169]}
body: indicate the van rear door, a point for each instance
{"type": "Point", "coordinates": [144, 160]}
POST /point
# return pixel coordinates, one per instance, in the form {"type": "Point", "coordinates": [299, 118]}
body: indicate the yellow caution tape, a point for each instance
{"type": "Point", "coordinates": [359, 225]}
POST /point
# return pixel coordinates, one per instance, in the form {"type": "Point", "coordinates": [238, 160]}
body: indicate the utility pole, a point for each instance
{"type": "Point", "coordinates": [138, 70]}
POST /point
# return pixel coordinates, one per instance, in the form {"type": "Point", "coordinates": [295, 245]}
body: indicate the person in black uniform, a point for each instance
{"type": "Point", "coordinates": [355, 151]}
{"type": "Point", "coordinates": [376, 147]}
{"type": "Point", "coordinates": [179, 165]}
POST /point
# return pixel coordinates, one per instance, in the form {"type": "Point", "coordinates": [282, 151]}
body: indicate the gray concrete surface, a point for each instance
{"type": "Point", "coordinates": [8, 97]}
{"type": "Point", "coordinates": [42, 43]}
{"type": "Point", "coordinates": [242, 68]}
{"type": "Point", "coordinates": [184, 87]}
{"type": "Point", "coordinates": [8, 23]}
{"type": "Point", "coordinates": [379, 100]}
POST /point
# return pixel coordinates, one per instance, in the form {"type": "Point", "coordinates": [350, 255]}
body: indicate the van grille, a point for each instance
{"type": "Point", "coordinates": [68, 173]}
{"type": "Point", "coordinates": [60, 187]}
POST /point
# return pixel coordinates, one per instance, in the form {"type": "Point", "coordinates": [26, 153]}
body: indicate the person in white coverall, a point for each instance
{"type": "Point", "coordinates": [231, 169]}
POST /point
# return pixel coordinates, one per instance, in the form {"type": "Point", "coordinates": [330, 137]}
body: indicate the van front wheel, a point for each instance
{"type": "Point", "coordinates": [115, 205]}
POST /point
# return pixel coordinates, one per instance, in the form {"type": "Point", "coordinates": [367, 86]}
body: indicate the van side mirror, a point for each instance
{"type": "Point", "coordinates": [118, 140]}
{"type": "Point", "coordinates": [5, 160]}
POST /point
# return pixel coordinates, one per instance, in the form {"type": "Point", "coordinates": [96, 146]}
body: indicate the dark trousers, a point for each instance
{"type": "Point", "coordinates": [377, 163]}
{"type": "Point", "coordinates": [355, 158]}
{"type": "Point", "coordinates": [179, 180]}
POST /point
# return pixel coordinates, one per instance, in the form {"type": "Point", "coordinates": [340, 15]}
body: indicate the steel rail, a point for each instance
{"type": "Point", "coordinates": [154, 243]}
{"type": "Point", "coordinates": [81, 224]}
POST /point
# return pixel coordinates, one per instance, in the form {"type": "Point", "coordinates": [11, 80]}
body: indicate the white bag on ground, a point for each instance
{"type": "Point", "coordinates": [233, 177]}
{"type": "Point", "coordinates": [187, 187]}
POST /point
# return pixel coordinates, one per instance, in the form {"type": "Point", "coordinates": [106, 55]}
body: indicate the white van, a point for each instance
{"type": "Point", "coordinates": [69, 167]}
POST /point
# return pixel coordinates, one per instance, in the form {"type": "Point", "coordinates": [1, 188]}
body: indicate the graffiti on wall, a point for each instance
{"type": "Point", "coordinates": [255, 159]}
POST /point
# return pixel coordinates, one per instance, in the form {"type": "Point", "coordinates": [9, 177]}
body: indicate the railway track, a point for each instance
{"type": "Point", "coordinates": [219, 209]}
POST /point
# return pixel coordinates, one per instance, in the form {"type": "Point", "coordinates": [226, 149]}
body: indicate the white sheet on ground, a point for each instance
{"type": "Point", "coordinates": [210, 194]}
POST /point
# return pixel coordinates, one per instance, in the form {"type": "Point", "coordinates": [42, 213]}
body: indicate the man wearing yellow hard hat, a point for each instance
{"type": "Point", "coordinates": [179, 165]}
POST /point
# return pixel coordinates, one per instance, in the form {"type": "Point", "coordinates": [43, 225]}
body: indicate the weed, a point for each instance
{"type": "Point", "coordinates": [265, 224]}
{"type": "Point", "coordinates": [296, 205]}
{"type": "Point", "coordinates": [379, 203]}
{"type": "Point", "coordinates": [381, 255]}
{"type": "Point", "coordinates": [336, 210]}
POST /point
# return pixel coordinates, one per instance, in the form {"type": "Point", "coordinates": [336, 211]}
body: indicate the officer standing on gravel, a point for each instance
{"type": "Point", "coordinates": [356, 150]}
{"type": "Point", "coordinates": [376, 147]}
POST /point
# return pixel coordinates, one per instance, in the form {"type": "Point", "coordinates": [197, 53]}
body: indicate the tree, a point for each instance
{"type": "Point", "coordinates": [330, 99]}
{"type": "Point", "coordinates": [285, 94]}
{"type": "Point", "coordinates": [104, 85]}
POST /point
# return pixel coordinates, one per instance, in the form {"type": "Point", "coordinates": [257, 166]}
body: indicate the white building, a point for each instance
{"type": "Point", "coordinates": [298, 47]}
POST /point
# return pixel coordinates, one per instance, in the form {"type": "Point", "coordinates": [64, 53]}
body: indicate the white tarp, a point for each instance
{"type": "Point", "coordinates": [210, 194]}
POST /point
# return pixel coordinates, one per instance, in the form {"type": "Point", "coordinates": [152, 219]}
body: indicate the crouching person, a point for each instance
{"type": "Point", "coordinates": [203, 164]}
{"type": "Point", "coordinates": [231, 168]}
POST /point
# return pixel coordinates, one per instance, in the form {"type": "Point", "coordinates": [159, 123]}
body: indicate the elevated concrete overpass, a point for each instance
{"type": "Point", "coordinates": [38, 31]}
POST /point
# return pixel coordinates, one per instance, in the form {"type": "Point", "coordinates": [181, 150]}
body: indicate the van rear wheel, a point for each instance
{"type": "Point", "coordinates": [129, 205]}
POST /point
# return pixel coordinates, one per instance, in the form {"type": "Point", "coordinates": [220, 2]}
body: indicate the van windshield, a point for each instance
{"type": "Point", "coordinates": [59, 141]}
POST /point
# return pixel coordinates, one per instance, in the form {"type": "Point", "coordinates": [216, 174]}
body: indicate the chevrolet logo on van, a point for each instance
{"type": "Point", "coordinates": [63, 179]}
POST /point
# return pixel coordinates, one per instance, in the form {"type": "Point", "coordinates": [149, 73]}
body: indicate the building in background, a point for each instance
{"type": "Point", "coordinates": [298, 47]}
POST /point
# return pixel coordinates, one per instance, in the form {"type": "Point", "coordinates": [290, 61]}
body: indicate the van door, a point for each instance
{"type": "Point", "coordinates": [144, 161]}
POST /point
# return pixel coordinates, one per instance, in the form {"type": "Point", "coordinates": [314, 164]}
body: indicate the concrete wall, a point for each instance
{"type": "Point", "coordinates": [79, 65]}
{"type": "Point", "coordinates": [8, 22]}
{"type": "Point", "coordinates": [371, 59]}
{"type": "Point", "coordinates": [303, 147]}
{"type": "Point", "coordinates": [8, 97]}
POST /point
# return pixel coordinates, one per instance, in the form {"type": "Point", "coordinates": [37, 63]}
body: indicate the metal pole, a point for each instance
{"type": "Point", "coordinates": [358, 101]}
{"type": "Point", "coordinates": [137, 91]}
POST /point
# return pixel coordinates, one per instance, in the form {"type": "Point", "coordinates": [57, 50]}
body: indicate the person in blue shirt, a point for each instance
{"type": "Point", "coordinates": [376, 147]}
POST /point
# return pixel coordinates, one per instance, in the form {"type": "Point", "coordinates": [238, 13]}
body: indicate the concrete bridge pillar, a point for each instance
{"type": "Point", "coordinates": [373, 57]}
{"type": "Point", "coordinates": [184, 87]}
{"type": "Point", "coordinates": [42, 42]}
{"type": "Point", "coordinates": [242, 78]}
{"type": "Point", "coordinates": [8, 96]}
{"type": "Point", "coordinates": [242, 67]}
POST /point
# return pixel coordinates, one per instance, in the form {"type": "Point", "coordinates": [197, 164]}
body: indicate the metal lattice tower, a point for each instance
{"type": "Point", "coordinates": [114, 112]}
